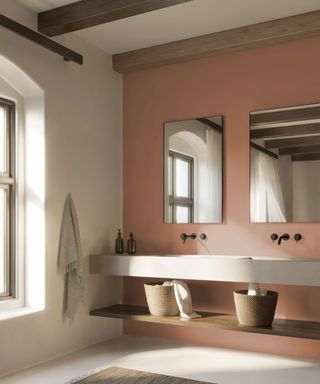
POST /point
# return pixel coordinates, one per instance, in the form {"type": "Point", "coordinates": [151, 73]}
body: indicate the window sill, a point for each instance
{"type": "Point", "coordinates": [18, 312]}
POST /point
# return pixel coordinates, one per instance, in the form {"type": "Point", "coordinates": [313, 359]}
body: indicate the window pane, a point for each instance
{"type": "Point", "coordinates": [182, 178]}
{"type": "Point", "coordinates": [3, 261]}
{"type": "Point", "coordinates": [182, 214]}
{"type": "Point", "coordinates": [170, 214]}
{"type": "Point", "coordinates": [2, 140]}
{"type": "Point", "coordinates": [170, 160]}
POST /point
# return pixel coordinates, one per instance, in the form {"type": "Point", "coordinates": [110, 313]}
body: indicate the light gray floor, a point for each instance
{"type": "Point", "coordinates": [215, 365]}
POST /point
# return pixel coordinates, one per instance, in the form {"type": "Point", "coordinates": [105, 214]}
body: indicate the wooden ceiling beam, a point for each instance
{"type": "Point", "coordinates": [251, 36]}
{"type": "Point", "coordinates": [286, 115]}
{"type": "Point", "coordinates": [298, 150]}
{"type": "Point", "coordinates": [306, 157]}
{"type": "Point", "coordinates": [38, 38]}
{"type": "Point", "coordinates": [263, 149]}
{"type": "Point", "coordinates": [294, 142]}
{"type": "Point", "coordinates": [210, 123]}
{"type": "Point", "coordinates": [289, 130]}
{"type": "Point", "coordinates": [88, 13]}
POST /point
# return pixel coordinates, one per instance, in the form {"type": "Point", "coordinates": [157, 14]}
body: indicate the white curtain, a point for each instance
{"type": "Point", "coordinates": [210, 187]}
{"type": "Point", "coordinates": [266, 197]}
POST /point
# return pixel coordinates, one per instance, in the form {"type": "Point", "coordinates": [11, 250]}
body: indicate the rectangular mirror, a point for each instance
{"type": "Point", "coordinates": [285, 164]}
{"type": "Point", "coordinates": [193, 170]}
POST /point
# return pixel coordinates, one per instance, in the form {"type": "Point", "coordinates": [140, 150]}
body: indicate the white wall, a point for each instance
{"type": "Point", "coordinates": [83, 156]}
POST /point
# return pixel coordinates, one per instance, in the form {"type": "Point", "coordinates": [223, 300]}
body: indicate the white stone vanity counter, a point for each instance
{"type": "Point", "coordinates": [258, 269]}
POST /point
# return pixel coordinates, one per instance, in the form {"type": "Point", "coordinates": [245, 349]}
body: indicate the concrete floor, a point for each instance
{"type": "Point", "coordinates": [214, 365]}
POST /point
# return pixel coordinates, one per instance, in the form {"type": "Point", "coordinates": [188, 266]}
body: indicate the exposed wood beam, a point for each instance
{"type": "Point", "coordinates": [286, 116]}
{"type": "Point", "coordinates": [210, 123]}
{"type": "Point", "coordinates": [88, 13]}
{"type": "Point", "coordinates": [251, 36]}
{"type": "Point", "coordinates": [39, 39]}
{"type": "Point", "coordinates": [290, 130]}
{"type": "Point", "coordinates": [294, 142]}
{"type": "Point", "coordinates": [306, 157]}
{"type": "Point", "coordinates": [262, 149]}
{"type": "Point", "coordinates": [297, 150]}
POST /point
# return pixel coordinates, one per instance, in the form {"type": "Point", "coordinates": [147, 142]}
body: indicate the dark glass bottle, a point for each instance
{"type": "Point", "coordinates": [119, 243]}
{"type": "Point", "coordinates": [131, 244]}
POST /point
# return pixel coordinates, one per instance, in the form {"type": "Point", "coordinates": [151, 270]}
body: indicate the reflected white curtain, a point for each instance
{"type": "Point", "coordinates": [266, 197]}
{"type": "Point", "coordinates": [211, 179]}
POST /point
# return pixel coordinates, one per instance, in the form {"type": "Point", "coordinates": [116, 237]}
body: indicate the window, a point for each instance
{"type": "Point", "coordinates": [180, 185]}
{"type": "Point", "coordinates": [7, 199]}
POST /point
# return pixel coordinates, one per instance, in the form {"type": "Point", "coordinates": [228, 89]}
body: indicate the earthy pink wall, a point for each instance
{"type": "Point", "coordinates": [231, 85]}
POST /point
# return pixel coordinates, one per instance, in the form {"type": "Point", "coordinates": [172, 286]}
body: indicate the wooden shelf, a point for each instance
{"type": "Point", "coordinates": [289, 328]}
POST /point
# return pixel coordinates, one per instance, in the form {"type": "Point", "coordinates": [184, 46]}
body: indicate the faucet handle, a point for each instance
{"type": "Point", "coordinates": [203, 236]}
{"type": "Point", "coordinates": [183, 237]}
{"type": "Point", "coordinates": [274, 237]}
{"type": "Point", "coordinates": [297, 237]}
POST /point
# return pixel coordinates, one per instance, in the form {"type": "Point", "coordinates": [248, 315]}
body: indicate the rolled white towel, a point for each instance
{"type": "Point", "coordinates": [183, 298]}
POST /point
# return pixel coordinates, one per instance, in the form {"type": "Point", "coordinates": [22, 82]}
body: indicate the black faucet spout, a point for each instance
{"type": "Point", "coordinates": [284, 237]}
{"type": "Point", "coordinates": [185, 236]}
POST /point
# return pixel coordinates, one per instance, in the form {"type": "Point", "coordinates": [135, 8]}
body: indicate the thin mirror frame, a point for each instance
{"type": "Point", "coordinates": [222, 170]}
{"type": "Point", "coordinates": [274, 109]}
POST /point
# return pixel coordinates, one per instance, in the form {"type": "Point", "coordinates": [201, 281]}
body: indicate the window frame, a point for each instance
{"type": "Point", "coordinates": [8, 183]}
{"type": "Point", "coordinates": [176, 201]}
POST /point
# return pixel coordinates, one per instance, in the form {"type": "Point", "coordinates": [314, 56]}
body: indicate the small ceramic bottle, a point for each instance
{"type": "Point", "coordinates": [131, 245]}
{"type": "Point", "coordinates": [119, 243]}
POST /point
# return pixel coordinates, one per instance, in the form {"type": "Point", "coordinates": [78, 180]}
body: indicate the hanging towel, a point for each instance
{"type": "Point", "coordinates": [183, 298]}
{"type": "Point", "coordinates": [70, 259]}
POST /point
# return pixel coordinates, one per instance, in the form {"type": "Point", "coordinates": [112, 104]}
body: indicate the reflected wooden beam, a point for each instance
{"type": "Point", "coordinates": [285, 116]}
{"type": "Point", "coordinates": [297, 150]}
{"type": "Point", "coordinates": [210, 123]}
{"type": "Point", "coordinates": [262, 149]}
{"type": "Point", "coordinates": [306, 157]}
{"type": "Point", "coordinates": [291, 130]}
{"type": "Point", "coordinates": [294, 142]}
{"type": "Point", "coordinates": [88, 13]}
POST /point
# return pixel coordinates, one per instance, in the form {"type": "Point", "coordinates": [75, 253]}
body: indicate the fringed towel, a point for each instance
{"type": "Point", "coordinates": [183, 298]}
{"type": "Point", "coordinates": [70, 259]}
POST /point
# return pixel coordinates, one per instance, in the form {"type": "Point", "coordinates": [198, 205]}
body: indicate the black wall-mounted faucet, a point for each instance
{"type": "Point", "coordinates": [185, 236]}
{"type": "Point", "coordinates": [284, 237]}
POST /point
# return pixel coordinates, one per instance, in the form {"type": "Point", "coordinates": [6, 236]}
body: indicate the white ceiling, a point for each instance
{"type": "Point", "coordinates": [182, 21]}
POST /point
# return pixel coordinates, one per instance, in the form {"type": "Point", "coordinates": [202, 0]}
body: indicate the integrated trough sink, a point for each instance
{"type": "Point", "coordinates": [232, 268]}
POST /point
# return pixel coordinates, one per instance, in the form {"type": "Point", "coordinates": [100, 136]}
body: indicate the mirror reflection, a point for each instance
{"type": "Point", "coordinates": [193, 170]}
{"type": "Point", "coordinates": [285, 164]}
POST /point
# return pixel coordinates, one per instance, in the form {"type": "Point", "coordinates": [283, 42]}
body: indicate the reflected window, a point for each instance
{"type": "Point", "coordinates": [180, 187]}
{"type": "Point", "coordinates": [285, 164]}
{"type": "Point", "coordinates": [193, 157]}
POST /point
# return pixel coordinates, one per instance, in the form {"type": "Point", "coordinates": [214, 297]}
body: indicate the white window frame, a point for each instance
{"type": "Point", "coordinates": [8, 183]}
{"type": "Point", "coordinates": [30, 225]}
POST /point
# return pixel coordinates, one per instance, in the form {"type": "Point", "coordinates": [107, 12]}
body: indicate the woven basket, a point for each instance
{"type": "Point", "coordinates": [161, 299]}
{"type": "Point", "coordinates": [255, 311]}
